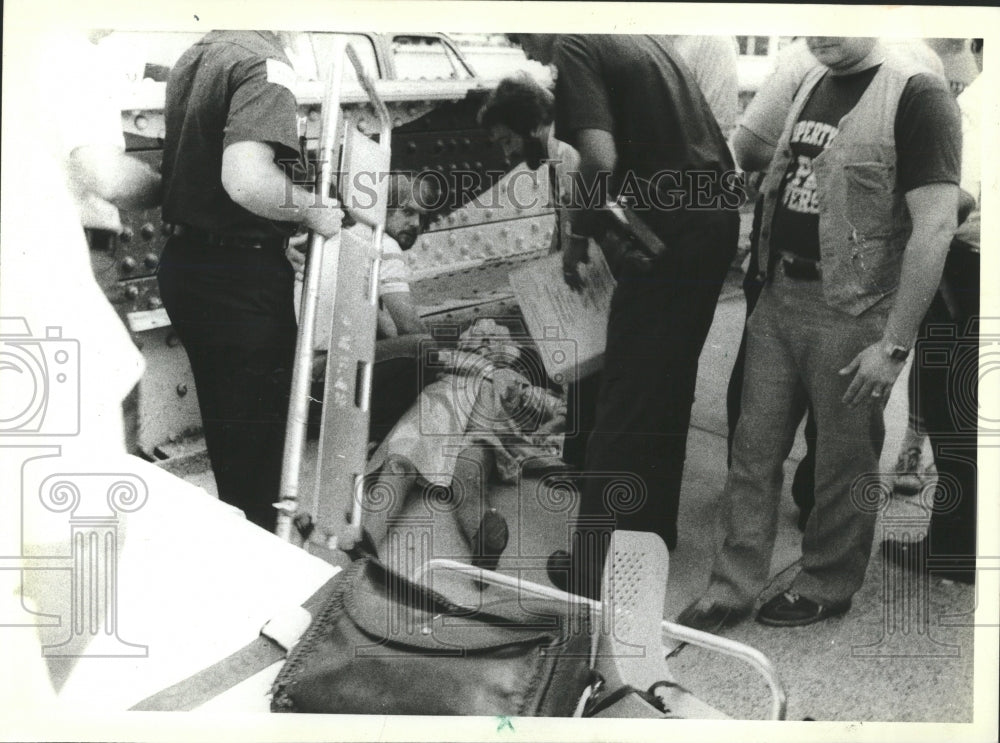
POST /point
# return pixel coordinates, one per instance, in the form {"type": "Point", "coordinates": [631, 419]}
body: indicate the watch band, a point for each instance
{"type": "Point", "coordinates": [896, 352]}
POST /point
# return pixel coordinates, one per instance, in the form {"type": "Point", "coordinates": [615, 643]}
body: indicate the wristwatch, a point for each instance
{"type": "Point", "coordinates": [897, 353]}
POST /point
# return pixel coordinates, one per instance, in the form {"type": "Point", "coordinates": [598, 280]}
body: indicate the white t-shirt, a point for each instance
{"type": "Point", "coordinates": [712, 60]}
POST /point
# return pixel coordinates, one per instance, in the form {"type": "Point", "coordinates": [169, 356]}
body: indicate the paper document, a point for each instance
{"type": "Point", "coordinates": [569, 327]}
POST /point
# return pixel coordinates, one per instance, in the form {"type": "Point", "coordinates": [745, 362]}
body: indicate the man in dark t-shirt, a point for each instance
{"type": "Point", "coordinates": [630, 106]}
{"type": "Point", "coordinates": [859, 207]}
{"type": "Point", "coordinates": [231, 132]}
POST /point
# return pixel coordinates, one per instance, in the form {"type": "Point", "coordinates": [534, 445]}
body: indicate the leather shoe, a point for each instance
{"type": "Point", "coordinates": [490, 540]}
{"type": "Point", "coordinates": [789, 609]}
{"type": "Point", "coordinates": [711, 617]}
{"type": "Point", "coordinates": [913, 556]}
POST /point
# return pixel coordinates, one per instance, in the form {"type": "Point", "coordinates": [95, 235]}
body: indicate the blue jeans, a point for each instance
{"type": "Point", "coordinates": [797, 344]}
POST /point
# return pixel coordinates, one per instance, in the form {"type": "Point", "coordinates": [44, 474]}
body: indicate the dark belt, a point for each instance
{"type": "Point", "coordinates": [215, 240]}
{"type": "Point", "coordinates": [803, 269]}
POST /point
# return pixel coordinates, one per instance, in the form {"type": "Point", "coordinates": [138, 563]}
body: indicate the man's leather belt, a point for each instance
{"type": "Point", "coordinates": [800, 268]}
{"type": "Point", "coordinates": [215, 240]}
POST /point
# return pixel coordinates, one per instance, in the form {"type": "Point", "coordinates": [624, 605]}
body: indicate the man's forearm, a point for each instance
{"type": "Point", "coordinates": [592, 181]}
{"type": "Point", "coordinates": [109, 173]}
{"type": "Point", "coordinates": [270, 194]}
{"type": "Point", "coordinates": [919, 279]}
{"type": "Point", "coordinates": [140, 187]}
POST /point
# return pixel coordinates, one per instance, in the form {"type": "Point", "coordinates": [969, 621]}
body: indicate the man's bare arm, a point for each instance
{"type": "Point", "coordinates": [933, 209]}
{"type": "Point", "coordinates": [404, 313]}
{"type": "Point", "coordinates": [254, 181]}
{"type": "Point", "coordinates": [109, 173]}
{"type": "Point", "coordinates": [752, 153]}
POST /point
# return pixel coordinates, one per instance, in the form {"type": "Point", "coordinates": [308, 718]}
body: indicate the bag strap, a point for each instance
{"type": "Point", "coordinates": [252, 658]}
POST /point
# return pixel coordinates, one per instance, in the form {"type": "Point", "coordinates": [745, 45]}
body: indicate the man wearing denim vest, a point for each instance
{"type": "Point", "coordinates": [860, 205]}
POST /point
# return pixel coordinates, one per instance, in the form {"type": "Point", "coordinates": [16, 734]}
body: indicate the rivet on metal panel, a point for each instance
{"type": "Point", "coordinates": [155, 303]}
{"type": "Point", "coordinates": [439, 146]}
{"type": "Point", "coordinates": [147, 231]}
{"type": "Point", "coordinates": [313, 114]}
{"type": "Point", "coordinates": [172, 340]}
{"type": "Point", "coordinates": [128, 264]}
{"type": "Point", "coordinates": [131, 292]}
{"type": "Point", "coordinates": [141, 122]}
{"type": "Point", "coordinates": [535, 227]}
{"type": "Point", "coordinates": [151, 260]}
{"type": "Point", "coordinates": [488, 214]}
{"type": "Point", "coordinates": [411, 147]}
{"type": "Point", "coordinates": [466, 142]}
{"type": "Point", "coordinates": [452, 239]}
{"type": "Point", "coordinates": [125, 235]}
{"type": "Point", "coordinates": [166, 228]}
{"type": "Point", "coordinates": [182, 390]}
{"type": "Point", "coordinates": [478, 165]}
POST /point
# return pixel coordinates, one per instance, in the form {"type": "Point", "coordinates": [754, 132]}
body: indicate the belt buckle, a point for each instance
{"type": "Point", "coordinates": [800, 268]}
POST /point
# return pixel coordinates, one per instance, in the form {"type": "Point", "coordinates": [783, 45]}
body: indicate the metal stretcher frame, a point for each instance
{"type": "Point", "coordinates": [752, 657]}
{"type": "Point", "coordinates": [333, 532]}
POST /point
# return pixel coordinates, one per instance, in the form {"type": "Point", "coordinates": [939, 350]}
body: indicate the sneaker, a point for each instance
{"type": "Point", "coordinates": [789, 609]}
{"type": "Point", "coordinates": [908, 478]}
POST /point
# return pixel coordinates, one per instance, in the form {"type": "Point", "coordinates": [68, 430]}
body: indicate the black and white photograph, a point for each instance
{"type": "Point", "coordinates": [501, 371]}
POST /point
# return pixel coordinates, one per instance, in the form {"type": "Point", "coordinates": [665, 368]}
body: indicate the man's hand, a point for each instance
{"type": "Point", "coordinates": [296, 253]}
{"type": "Point", "coordinates": [874, 375]}
{"type": "Point", "coordinates": [575, 253]}
{"type": "Point", "coordinates": [324, 219]}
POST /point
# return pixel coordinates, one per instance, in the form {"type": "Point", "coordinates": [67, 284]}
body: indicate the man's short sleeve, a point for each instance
{"type": "Point", "coordinates": [581, 96]}
{"type": "Point", "coordinates": [394, 276]}
{"type": "Point", "coordinates": [765, 115]}
{"type": "Point", "coordinates": [928, 134]}
{"type": "Point", "coordinates": [263, 107]}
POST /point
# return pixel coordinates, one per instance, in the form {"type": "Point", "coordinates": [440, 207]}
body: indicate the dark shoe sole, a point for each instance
{"type": "Point", "coordinates": [826, 612]}
{"type": "Point", "coordinates": [724, 618]}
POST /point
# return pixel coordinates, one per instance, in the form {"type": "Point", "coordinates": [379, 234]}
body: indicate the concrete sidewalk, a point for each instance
{"type": "Point", "coordinates": [904, 651]}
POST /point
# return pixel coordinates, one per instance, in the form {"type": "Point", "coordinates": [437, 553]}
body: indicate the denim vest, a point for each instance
{"type": "Point", "coordinates": [863, 220]}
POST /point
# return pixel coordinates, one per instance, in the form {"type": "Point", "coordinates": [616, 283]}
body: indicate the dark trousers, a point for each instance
{"type": "Point", "coordinates": [656, 329]}
{"type": "Point", "coordinates": [947, 362]}
{"type": "Point", "coordinates": [581, 412]}
{"type": "Point", "coordinates": [232, 309]}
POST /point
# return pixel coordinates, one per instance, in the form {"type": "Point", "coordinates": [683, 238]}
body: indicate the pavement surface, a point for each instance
{"type": "Point", "coordinates": [904, 652]}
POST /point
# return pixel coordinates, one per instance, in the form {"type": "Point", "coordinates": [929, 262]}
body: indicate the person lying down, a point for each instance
{"type": "Point", "coordinates": [482, 418]}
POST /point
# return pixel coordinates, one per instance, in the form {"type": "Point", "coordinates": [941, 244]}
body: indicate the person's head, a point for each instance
{"type": "Point", "coordinates": [411, 197]}
{"type": "Point", "coordinates": [518, 115]}
{"type": "Point", "coordinates": [539, 47]}
{"type": "Point", "coordinates": [840, 53]}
